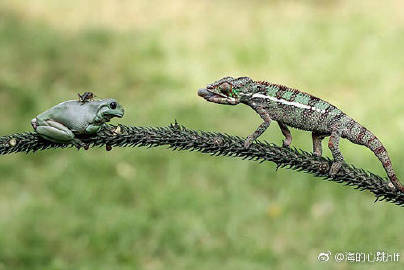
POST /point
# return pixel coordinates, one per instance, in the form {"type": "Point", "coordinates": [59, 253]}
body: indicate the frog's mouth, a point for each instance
{"type": "Point", "coordinates": [111, 114]}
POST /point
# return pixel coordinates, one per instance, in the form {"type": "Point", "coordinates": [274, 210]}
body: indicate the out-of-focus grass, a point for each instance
{"type": "Point", "coordinates": [156, 209]}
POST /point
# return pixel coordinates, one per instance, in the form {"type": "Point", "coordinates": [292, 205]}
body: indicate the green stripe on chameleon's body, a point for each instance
{"type": "Point", "coordinates": [287, 95]}
{"type": "Point", "coordinates": [294, 108]}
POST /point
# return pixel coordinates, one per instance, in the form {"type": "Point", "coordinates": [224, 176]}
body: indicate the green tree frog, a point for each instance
{"type": "Point", "coordinates": [64, 121]}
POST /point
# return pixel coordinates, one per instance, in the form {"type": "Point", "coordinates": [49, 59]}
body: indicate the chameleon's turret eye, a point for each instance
{"type": "Point", "coordinates": [112, 105]}
{"type": "Point", "coordinates": [225, 88]}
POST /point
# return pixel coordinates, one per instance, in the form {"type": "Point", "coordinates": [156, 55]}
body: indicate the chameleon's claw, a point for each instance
{"type": "Point", "coordinates": [391, 185]}
{"type": "Point", "coordinates": [394, 184]}
{"type": "Point", "coordinates": [317, 154]}
{"type": "Point", "coordinates": [336, 165]}
{"type": "Point", "coordinates": [285, 144]}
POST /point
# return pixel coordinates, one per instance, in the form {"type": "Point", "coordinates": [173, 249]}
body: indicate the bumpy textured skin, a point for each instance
{"type": "Point", "coordinates": [64, 121]}
{"type": "Point", "coordinates": [294, 108]}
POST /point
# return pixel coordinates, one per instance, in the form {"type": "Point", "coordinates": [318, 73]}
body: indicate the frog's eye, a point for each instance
{"type": "Point", "coordinates": [225, 89]}
{"type": "Point", "coordinates": [112, 105]}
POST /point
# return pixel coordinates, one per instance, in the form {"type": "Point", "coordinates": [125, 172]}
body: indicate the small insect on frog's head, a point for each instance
{"type": "Point", "coordinates": [107, 109]}
{"type": "Point", "coordinates": [228, 90]}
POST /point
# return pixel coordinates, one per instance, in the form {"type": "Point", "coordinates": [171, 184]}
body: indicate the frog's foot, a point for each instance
{"type": "Point", "coordinates": [56, 132]}
{"type": "Point", "coordinates": [110, 129]}
{"type": "Point", "coordinates": [79, 144]}
{"type": "Point", "coordinates": [92, 129]}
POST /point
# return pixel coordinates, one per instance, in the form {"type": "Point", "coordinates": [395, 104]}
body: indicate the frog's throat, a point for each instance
{"type": "Point", "coordinates": [100, 119]}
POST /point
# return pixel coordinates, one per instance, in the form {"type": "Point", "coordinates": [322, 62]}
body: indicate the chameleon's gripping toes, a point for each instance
{"type": "Point", "coordinates": [64, 121]}
{"type": "Point", "coordinates": [291, 107]}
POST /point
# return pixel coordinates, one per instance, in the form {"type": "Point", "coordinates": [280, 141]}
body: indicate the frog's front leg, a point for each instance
{"type": "Point", "coordinates": [92, 129]}
{"type": "Point", "coordinates": [56, 132]}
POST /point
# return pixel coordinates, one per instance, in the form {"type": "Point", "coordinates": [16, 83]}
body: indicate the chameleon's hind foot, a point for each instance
{"type": "Point", "coordinates": [396, 187]}
{"type": "Point", "coordinates": [335, 167]}
{"type": "Point", "coordinates": [391, 185]}
{"type": "Point", "coordinates": [395, 184]}
{"type": "Point", "coordinates": [247, 142]}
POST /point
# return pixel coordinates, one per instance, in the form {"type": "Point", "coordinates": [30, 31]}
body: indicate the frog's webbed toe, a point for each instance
{"type": "Point", "coordinates": [92, 129]}
{"type": "Point", "coordinates": [79, 144]}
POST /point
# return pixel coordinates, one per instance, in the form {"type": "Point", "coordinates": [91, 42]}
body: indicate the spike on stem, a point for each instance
{"type": "Point", "coordinates": [178, 137]}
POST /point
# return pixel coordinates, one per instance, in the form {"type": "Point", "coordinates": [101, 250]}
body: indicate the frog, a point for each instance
{"type": "Point", "coordinates": [67, 120]}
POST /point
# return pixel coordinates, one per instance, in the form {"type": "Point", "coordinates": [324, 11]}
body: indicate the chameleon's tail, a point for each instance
{"type": "Point", "coordinates": [360, 135]}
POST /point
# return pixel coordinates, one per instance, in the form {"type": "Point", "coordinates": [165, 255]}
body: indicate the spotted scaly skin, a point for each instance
{"type": "Point", "coordinates": [297, 109]}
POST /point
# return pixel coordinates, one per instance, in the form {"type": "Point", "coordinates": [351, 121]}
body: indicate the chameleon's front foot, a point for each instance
{"type": "Point", "coordinates": [335, 167]}
{"type": "Point", "coordinates": [286, 143]}
{"type": "Point", "coordinates": [317, 153]}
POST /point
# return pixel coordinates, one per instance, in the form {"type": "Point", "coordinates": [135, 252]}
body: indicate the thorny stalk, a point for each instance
{"type": "Point", "coordinates": [178, 137]}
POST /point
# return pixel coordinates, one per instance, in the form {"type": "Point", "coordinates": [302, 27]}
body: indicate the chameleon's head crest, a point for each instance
{"type": "Point", "coordinates": [227, 90]}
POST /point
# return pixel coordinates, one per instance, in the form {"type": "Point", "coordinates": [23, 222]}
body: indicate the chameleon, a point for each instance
{"type": "Point", "coordinates": [297, 109]}
{"type": "Point", "coordinates": [63, 122]}
{"type": "Point", "coordinates": [85, 97]}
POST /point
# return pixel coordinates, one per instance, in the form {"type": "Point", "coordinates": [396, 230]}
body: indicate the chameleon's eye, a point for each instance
{"type": "Point", "coordinates": [112, 105]}
{"type": "Point", "coordinates": [225, 88]}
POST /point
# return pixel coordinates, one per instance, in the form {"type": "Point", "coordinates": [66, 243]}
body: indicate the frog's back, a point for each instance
{"type": "Point", "coordinates": [73, 114]}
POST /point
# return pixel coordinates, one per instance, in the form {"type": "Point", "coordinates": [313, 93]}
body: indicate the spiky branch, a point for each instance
{"type": "Point", "coordinates": [178, 137]}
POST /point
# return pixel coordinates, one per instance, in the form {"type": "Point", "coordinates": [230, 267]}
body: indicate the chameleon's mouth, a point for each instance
{"type": "Point", "coordinates": [206, 94]}
{"type": "Point", "coordinates": [216, 98]}
{"type": "Point", "coordinates": [203, 92]}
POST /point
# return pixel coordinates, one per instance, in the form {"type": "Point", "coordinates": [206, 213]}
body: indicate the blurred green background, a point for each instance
{"type": "Point", "coordinates": [157, 209]}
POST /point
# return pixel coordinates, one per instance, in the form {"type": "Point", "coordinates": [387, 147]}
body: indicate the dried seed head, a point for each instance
{"type": "Point", "coordinates": [12, 142]}
{"type": "Point", "coordinates": [118, 130]}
